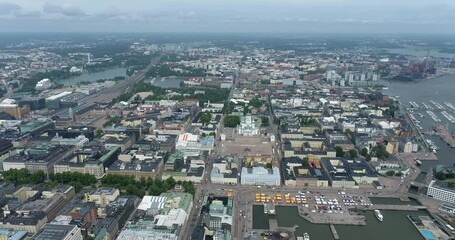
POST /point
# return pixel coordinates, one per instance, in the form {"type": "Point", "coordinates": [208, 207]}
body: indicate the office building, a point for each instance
{"type": "Point", "coordinates": [441, 191]}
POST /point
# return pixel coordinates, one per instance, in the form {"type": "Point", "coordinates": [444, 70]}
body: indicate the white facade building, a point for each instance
{"type": "Point", "coordinates": [260, 176]}
{"type": "Point", "coordinates": [445, 194]}
{"type": "Point", "coordinates": [43, 84]}
{"type": "Point", "coordinates": [191, 145]}
{"type": "Point", "coordinates": [248, 126]}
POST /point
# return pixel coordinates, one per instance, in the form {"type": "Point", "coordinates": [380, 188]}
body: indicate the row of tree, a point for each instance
{"type": "Point", "coordinates": [347, 154]}
{"type": "Point", "coordinates": [24, 176]}
{"type": "Point", "coordinates": [129, 185]}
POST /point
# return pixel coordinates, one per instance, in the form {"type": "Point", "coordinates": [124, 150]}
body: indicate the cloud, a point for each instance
{"type": "Point", "coordinates": [27, 14]}
{"type": "Point", "coordinates": [8, 8]}
{"type": "Point", "coordinates": [69, 10]}
{"type": "Point", "coordinates": [188, 15]}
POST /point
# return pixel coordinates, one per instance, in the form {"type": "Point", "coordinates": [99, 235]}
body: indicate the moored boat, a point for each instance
{"type": "Point", "coordinates": [378, 215]}
{"type": "Point", "coordinates": [306, 236]}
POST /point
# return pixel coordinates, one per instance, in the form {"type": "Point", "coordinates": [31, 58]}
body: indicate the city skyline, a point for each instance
{"type": "Point", "coordinates": [307, 16]}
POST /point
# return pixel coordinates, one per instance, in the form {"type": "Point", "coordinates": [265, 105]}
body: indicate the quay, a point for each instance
{"type": "Point", "coordinates": [394, 207]}
{"type": "Point", "coordinates": [345, 218]}
{"type": "Point", "coordinates": [445, 135]}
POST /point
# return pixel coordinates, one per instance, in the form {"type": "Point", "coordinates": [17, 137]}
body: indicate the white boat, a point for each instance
{"type": "Point", "coordinates": [306, 236]}
{"type": "Point", "coordinates": [378, 215]}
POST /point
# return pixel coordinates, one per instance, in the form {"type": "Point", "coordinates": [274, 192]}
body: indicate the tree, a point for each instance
{"type": "Point", "coordinates": [206, 118]}
{"type": "Point", "coordinates": [99, 133]}
{"type": "Point", "coordinates": [171, 182]}
{"type": "Point", "coordinates": [352, 153]}
{"type": "Point", "coordinates": [265, 121]}
{"type": "Point", "coordinates": [339, 151]}
{"type": "Point", "coordinates": [269, 165]}
{"type": "Point", "coordinates": [256, 103]}
{"type": "Point", "coordinates": [24, 176]}
{"type": "Point", "coordinates": [398, 174]}
{"type": "Point", "coordinates": [305, 161]}
{"type": "Point", "coordinates": [137, 98]}
{"type": "Point", "coordinates": [189, 187]}
{"type": "Point", "coordinates": [364, 152]}
{"type": "Point", "coordinates": [390, 173]}
{"type": "Point", "coordinates": [440, 175]}
{"type": "Point", "coordinates": [380, 151]}
{"type": "Point", "coordinates": [37, 177]}
{"type": "Point", "coordinates": [231, 121]}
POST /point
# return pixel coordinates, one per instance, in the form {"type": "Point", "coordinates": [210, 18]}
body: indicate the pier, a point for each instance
{"type": "Point", "coordinates": [395, 207]}
{"type": "Point", "coordinates": [273, 223]}
{"type": "Point", "coordinates": [445, 135]}
{"type": "Point", "coordinates": [416, 130]}
{"type": "Point", "coordinates": [334, 232]}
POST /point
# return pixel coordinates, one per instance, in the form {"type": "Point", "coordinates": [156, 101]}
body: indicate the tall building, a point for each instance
{"type": "Point", "coordinates": [12, 108]}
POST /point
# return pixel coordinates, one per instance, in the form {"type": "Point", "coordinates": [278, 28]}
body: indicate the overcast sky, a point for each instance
{"type": "Point", "coordinates": [301, 16]}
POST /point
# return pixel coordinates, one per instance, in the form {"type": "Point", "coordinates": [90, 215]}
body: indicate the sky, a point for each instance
{"type": "Point", "coordinates": [240, 16]}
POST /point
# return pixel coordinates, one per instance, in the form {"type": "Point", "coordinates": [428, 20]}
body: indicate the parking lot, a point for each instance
{"type": "Point", "coordinates": [320, 207]}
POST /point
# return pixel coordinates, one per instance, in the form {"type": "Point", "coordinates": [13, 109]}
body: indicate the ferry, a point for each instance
{"type": "Point", "coordinates": [306, 236]}
{"type": "Point", "coordinates": [378, 215]}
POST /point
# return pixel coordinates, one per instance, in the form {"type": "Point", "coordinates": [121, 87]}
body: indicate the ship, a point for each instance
{"type": "Point", "coordinates": [418, 162]}
{"type": "Point", "coordinates": [306, 236]}
{"type": "Point", "coordinates": [378, 215]}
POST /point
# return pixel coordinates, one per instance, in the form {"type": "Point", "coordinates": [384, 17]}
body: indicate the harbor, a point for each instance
{"type": "Point", "coordinates": [394, 226]}
{"type": "Point", "coordinates": [434, 110]}
{"type": "Point", "coordinates": [337, 215]}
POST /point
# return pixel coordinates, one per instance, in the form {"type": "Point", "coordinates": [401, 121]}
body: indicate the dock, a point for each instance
{"type": "Point", "coordinates": [334, 232]}
{"type": "Point", "coordinates": [445, 135]}
{"type": "Point", "coordinates": [416, 130]}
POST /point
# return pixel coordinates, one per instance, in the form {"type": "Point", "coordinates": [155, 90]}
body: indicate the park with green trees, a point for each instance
{"type": "Point", "coordinates": [231, 121]}
{"type": "Point", "coordinates": [128, 185]}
